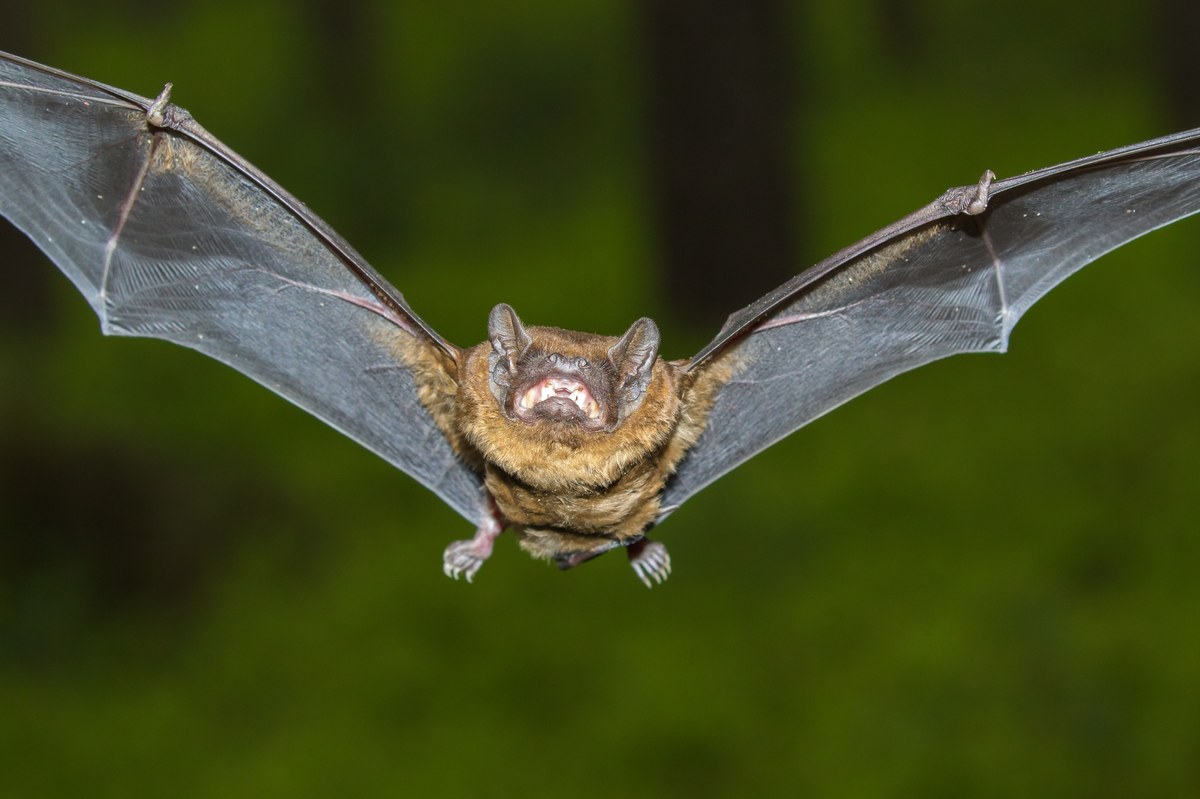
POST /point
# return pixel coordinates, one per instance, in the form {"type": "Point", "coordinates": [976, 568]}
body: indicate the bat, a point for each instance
{"type": "Point", "coordinates": [579, 443]}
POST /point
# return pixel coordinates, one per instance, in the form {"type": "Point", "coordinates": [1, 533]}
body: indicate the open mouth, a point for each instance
{"type": "Point", "coordinates": [560, 390]}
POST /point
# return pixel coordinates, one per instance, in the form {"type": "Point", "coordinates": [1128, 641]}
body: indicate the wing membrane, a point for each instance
{"type": "Point", "coordinates": [939, 283]}
{"type": "Point", "coordinates": [168, 234]}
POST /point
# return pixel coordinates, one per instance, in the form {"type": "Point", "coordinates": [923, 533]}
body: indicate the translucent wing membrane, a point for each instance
{"type": "Point", "coordinates": [169, 234]}
{"type": "Point", "coordinates": [939, 283]}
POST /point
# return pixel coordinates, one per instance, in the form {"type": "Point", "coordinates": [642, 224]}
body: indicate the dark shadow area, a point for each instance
{"type": "Point", "coordinates": [721, 108]}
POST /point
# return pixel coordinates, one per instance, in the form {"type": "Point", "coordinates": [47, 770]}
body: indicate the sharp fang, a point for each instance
{"type": "Point", "coordinates": [563, 388]}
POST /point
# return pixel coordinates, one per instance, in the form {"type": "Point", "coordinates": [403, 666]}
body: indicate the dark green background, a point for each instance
{"type": "Point", "coordinates": [977, 580]}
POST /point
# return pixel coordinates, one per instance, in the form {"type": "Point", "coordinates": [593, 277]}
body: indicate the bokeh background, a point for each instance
{"type": "Point", "coordinates": [978, 580]}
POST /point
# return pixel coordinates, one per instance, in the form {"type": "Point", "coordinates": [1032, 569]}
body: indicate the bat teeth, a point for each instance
{"type": "Point", "coordinates": [564, 388]}
{"type": "Point", "coordinates": [530, 398]}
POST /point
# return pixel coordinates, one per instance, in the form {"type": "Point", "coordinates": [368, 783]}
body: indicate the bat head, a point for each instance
{"type": "Point", "coordinates": [561, 379]}
{"type": "Point", "coordinates": [560, 410]}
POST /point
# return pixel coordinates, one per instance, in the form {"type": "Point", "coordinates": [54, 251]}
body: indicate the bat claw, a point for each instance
{"type": "Point", "coordinates": [156, 113]}
{"type": "Point", "coordinates": [464, 558]}
{"type": "Point", "coordinates": [972, 200]}
{"type": "Point", "coordinates": [983, 192]}
{"type": "Point", "coordinates": [650, 561]}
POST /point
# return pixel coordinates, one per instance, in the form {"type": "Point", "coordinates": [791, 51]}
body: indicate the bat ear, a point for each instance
{"type": "Point", "coordinates": [634, 356]}
{"type": "Point", "coordinates": [508, 336]}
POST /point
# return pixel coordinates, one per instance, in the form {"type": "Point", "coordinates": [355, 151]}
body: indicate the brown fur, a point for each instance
{"type": "Point", "coordinates": [567, 490]}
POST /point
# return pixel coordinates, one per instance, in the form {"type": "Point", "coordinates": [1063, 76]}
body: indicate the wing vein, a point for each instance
{"type": "Point", "coordinates": [998, 267]}
{"type": "Point", "coordinates": [378, 308]}
{"type": "Point", "coordinates": [110, 246]}
{"type": "Point", "coordinates": [87, 98]}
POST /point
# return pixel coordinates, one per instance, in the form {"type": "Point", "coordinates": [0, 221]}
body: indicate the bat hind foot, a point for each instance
{"type": "Point", "coordinates": [464, 558]}
{"type": "Point", "coordinates": [650, 561]}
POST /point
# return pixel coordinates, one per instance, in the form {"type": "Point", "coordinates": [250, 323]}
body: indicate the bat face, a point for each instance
{"type": "Point", "coordinates": [568, 384]}
{"type": "Point", "coordinates": [578, 442]}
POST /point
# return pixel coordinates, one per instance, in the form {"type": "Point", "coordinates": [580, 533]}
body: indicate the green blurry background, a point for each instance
{"type": "Point", "coordinates": [977, 580]}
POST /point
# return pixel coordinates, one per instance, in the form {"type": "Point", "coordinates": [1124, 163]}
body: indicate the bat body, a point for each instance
{"type": "Point", "coordinates": [575, 435]}
{"type": "Point", "coordinates": [578, 442]}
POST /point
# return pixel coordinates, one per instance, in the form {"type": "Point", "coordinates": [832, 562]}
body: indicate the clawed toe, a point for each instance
{"type": "Point", "coordinates": [462, 558]}
{"type": "Point", "coordinates": [651, 562]}
{"type": "Point", "coordinates": [465, 557]}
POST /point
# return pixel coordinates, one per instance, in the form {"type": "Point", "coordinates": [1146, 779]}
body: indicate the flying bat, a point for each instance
{"type": "Point", "coordinates": [579, 443]}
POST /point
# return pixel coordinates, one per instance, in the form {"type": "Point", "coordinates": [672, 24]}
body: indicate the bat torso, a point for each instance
{"type": "Point", "coordinates": [566, 489]}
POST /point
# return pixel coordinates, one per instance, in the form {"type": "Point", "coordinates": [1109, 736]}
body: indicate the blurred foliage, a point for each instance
{"type": "Point", "coordinates": [979, 579]}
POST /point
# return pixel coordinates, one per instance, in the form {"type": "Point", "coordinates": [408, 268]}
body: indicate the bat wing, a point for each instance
{"type": "Point", "coordinates": [953, 277]}
{"type": "Point", "coordinates": [170, 234]}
